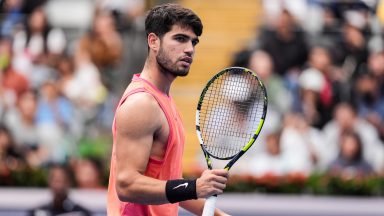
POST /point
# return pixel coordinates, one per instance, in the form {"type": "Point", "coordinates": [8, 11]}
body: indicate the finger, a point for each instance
{"type": "Point", "coordinates": [217, 191]}
{"type": "Point", "coordinates": [220, 172]}
{"type": "Point", "coordinates": [220, 179]}
{"type": "Point", "coordinates": [219, 186]}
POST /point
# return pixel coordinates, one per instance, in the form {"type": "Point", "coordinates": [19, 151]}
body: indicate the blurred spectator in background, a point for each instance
{"type": "Point", "coordinates": [10, 157]}
{"type": "Point", "coordinates": [319, 88]}
{"type": "Point", "coordinates": [311, 83]}
{"type": "Point", "coordinates": [346, 118]}
{"type": "Point", "coordinates": [286, 43]}
{"type": "Point", "coordinates": [96, 49]}
{"type": "Point", "coordinates": [126, 13]}
{"type": "Point", "coordinates": [298, 145]}
{"type": "Point", "coordinates": [54, 121]}
{"type": "Point", "coordinates": [261, 63]}
{"type": "Point", "coordinates": [103, 46]}
{"type": "Point", "coordinates": [347, 25]}
{"type": "Point", "coordinates": [13, 16]}
{"type": "Point", "coordinates": [375, 67]}
{"type": "Point", "coordinates": [369, 92]}
{"type": "Point", "coordinates": [88, 173]}
{"type": "Point", "coordinates": [34, 46]}
{"type": "Point", "coordinates": [59, 182]}
{"type": "Point", "coordinates": [271, 162]}
{"type": "Point", "coordinates": [350, 163]}
{"type": "Point", "coordinates": [369, 102]}
{"type": "Point", "coordinates": [354, 50]}
{"type": "Point", "coordinates": [13, 82]}
{"type": "Point", "coordinates": [21, 120]}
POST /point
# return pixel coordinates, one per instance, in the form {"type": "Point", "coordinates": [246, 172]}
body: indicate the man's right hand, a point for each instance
{"type": "Point", "coordinates": [211, 182]}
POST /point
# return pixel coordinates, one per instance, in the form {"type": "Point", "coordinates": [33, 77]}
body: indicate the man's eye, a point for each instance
{"type": "Point", "coordinates": [195, 42]}
{"type": "Point", "coordinates": [181, 39]}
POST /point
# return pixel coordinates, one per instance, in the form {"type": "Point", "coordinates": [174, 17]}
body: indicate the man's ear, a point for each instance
{"type": "Point", "coordinates": [153, 42]}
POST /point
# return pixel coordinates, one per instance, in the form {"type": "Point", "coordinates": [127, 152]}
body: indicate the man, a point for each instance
{"type": "Point", "coordinates": [59, 183]}
{"type": "Point", "coordinates": [145, 177]}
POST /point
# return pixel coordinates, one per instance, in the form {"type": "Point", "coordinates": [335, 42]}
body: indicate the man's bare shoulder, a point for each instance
{"type": "Point", "coordinates": [139, 111]}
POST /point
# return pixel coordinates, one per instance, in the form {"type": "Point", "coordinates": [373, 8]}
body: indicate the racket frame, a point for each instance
{"type": "Point", "coordinates": [235, 157]}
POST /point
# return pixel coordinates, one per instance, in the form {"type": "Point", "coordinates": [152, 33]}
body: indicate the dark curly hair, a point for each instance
{"type": "Point", "coordinates": [161, 18]}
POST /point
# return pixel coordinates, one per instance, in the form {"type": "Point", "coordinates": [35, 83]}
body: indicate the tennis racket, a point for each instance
{"type": "Point", "coordinates": [229, 117]}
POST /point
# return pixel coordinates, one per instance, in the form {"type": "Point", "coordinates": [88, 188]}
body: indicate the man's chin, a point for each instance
{"type": "Point", "coordinates": [181, 73]}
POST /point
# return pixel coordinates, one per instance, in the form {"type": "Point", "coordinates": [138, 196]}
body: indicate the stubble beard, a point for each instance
{"type": "Point", "coordinates": [166, 65]}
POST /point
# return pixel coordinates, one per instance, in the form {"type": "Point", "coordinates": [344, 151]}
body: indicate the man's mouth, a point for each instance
{"type": "Point", "coordinates": [186, 59]}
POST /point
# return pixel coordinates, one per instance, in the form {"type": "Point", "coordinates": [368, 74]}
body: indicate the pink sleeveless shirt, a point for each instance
{"type": "Point", "coordinates": [168, 168]}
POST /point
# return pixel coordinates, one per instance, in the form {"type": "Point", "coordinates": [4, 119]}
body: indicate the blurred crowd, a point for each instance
{"type": "Point", "coordinates": [64, 64]}
{"type": "Point", "coordinates": [323, 65]}
{"type": "Point", "coordinates": [61, 74]}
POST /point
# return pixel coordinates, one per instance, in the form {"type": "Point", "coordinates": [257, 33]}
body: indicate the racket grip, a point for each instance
{"type": "Point", "coordinates": [209, 206]}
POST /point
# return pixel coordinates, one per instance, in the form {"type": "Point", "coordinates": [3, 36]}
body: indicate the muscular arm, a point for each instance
{"type": "Point", "coordinates": [137, 121]}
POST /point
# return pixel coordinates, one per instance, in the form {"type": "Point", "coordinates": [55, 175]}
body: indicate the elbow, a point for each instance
{"type": "Point", "coordinates": [125, 193]}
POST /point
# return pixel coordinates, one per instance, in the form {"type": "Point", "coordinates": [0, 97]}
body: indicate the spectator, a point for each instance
{"type": "Point", "coordinates": [12, 81]}
{"type": "Point", "coordinates": [54, 121]}
{"type": "Point", "coordinates": [354, 47]}
{"type": "Point", "coordinates": [87, 89]}
{"type": "Point", "coordinates": [10, 157]}
{"type": "Point", "coordinates": [88, 173]}
{"type": "Point", "coordinates": [350, 163]}
{"type": "Point", "coordinates": [126, 13]}
{"type": "Point", "coordinates": [286, 43]}
{"type": "Point", "coordinates": [22, 123]}
{"type": "Point", "coordinates": [346, 118]}
{"type": "Point", "coordinates": [369, 92]}
{"type": "Point", "coordinates": [65, 82]}
{"type": "Point", "coordinates": [375, 66]}
{"type": "Point", "coordinates": [35, 46]}
{"type": "Point", "coordinates": [311, 82]}
{"type": "Point", "coordinates": [59, 183]}
{"type": "Point", "coordinates": [39, 38]}
{"type": "Point", "coordinates": [261, 63]}
{"type": "Point", "coordinates": [12, 10]}
{"type": "Point", "coordinates": [369, 102]}
{"type": "Point", "coordinates": [320, 88]}
{"type": "Point", "coordinates": [270, 163]}
{"type": "Point", "coordinates": [103, 45]}
{"type": "Point", "coordinates": [297, 145]}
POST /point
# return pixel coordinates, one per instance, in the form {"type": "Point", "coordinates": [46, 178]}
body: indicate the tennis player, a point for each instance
{"type": "Point", "coordinates": [146, 164]}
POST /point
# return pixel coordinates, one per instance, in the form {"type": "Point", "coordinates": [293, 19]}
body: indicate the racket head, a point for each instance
{"type": "Point", "coordinates": [230, 113]}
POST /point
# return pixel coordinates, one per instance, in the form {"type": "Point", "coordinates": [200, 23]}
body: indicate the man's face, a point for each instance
{"type": "Point", "coordinates": [177, 48]}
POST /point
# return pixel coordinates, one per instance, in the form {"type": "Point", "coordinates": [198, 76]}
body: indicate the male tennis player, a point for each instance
{"type": "Point", "coordinates": [146, 163]}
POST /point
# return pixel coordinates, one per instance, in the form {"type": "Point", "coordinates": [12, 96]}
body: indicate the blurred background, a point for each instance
{"type": "Point", "coordinates": [65, 63]}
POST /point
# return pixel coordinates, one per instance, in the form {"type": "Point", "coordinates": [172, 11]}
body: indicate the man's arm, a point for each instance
{"type": "Point", "coordinates": [137, 121]}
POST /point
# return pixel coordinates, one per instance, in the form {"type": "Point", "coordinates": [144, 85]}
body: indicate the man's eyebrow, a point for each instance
{"type": "Point", "coordinates": [181, 35]}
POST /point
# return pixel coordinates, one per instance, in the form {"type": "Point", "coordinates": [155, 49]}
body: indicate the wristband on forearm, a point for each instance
{"type": "Point", "coordinates": [180, 190]}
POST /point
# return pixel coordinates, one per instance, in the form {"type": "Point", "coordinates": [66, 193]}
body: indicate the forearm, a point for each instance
{"type": "Point", "coordinates": [194, 206]}
{"type": "Point", "coordinates": [143, 190]}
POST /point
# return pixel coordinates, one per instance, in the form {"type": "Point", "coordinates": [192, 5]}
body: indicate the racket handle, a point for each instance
{"type": "Point", "coordinates": [209, 206]}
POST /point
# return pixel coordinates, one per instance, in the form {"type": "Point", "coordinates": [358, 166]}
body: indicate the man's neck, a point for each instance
{"type": "Point", "coordinates": [162, 80]}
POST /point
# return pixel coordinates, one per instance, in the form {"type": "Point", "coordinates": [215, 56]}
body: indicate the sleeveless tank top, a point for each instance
{"type": "Point", "coordinates": [170, 167]}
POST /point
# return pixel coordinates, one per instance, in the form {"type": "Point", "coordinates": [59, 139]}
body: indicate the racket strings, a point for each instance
{"type": "Point", "coordinates": [230, 113]}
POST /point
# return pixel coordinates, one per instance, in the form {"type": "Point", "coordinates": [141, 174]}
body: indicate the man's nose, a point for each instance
{"type": "Point", "coordinates": [189, 49]}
